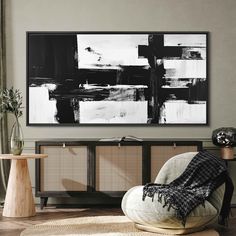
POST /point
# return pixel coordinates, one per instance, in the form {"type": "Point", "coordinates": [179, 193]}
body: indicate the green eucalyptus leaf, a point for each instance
{"type": "Point", "coordinates": [11, 101]}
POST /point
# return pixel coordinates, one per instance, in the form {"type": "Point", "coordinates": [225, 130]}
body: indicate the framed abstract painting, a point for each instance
{"type": "Point", "coordinates": [117, 78]}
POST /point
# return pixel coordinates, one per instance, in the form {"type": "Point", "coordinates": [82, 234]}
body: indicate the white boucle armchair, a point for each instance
{"type": "Point", "coordinates": [151, 216]}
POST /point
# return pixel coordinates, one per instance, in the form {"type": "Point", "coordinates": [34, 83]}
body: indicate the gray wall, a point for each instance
{"type": "Point", "coordinates": [216, 16]}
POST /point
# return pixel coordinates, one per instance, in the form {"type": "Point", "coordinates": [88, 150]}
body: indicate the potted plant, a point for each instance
{"type": "Point", "coordinates": [11, 102]}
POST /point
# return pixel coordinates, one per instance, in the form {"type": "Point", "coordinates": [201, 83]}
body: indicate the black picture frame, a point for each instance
{"type": "Point", "coordinates": [117, 78]}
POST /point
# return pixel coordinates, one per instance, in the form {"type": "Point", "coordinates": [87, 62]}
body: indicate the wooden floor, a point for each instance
{"type": "Point", "coordinates": [14, 226]}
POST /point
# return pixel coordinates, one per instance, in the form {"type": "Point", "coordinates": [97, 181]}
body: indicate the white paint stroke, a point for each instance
{"type": "Point", "coordinates": [185, 40]}
{"type": "Point", "coordinates": [179, 111]}
{"type": "Point", "coordinates": [112, 112]}
{"type": "Point", "coordinates": [41, 109]}
{"type": "Point", "coordinates": [185, 68]}
{"type": "Point", "coordinates": [108, 51]}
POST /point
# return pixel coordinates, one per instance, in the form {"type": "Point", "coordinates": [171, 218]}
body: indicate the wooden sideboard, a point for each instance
{"type": "Point", "coordinates": [100, 172]}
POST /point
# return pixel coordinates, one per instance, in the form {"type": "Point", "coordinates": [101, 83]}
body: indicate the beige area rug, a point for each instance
{"type": "Point", "coordinates": [98, 225]}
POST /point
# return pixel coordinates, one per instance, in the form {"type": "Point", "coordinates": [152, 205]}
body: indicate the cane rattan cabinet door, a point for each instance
{"type": "Point", "coordinates": [118, 168]}
{"type": "Point", "coordinates": [65, 169]}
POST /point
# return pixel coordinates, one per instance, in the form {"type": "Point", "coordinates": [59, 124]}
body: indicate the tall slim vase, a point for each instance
{"type": "Point", "coordinates": [17, 139]}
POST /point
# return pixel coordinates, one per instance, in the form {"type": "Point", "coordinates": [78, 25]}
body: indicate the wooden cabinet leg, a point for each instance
{"type": "Point", "coordinates": [43, 202]}
{"type": "Point", "coordinates": [19, 200]}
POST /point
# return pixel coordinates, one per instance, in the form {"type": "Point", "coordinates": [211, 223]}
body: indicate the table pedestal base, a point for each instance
{"type": "Point", "coordinates": [19, 200]}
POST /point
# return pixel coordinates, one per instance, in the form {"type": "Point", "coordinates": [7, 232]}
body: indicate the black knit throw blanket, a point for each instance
{"type": "Point", "coordinates": [203, 175]}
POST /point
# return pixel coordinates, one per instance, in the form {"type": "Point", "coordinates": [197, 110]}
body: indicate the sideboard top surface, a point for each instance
{"type": "Point", "coordinates": [97, 140]}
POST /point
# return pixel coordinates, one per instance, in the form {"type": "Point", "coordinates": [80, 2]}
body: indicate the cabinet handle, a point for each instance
{"type": "Point", "coordinates": [64, 145]}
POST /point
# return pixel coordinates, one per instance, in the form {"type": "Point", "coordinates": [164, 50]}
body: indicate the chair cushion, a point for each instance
{"type": "Point", "coordinates": [174, 167]}
{"type": "Point", "coordinates": [152, 213]}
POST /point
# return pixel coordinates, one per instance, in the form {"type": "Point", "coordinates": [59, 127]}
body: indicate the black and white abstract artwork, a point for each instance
{"type": "Point", "coordinates": [117, 78]}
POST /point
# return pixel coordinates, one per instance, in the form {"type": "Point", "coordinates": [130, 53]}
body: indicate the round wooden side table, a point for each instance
{"type": "Point", "coordinates": [19, 201]}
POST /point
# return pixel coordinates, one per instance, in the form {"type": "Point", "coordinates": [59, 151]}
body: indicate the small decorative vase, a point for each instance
{"type": "Point", "coordinates": [17, 139]}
